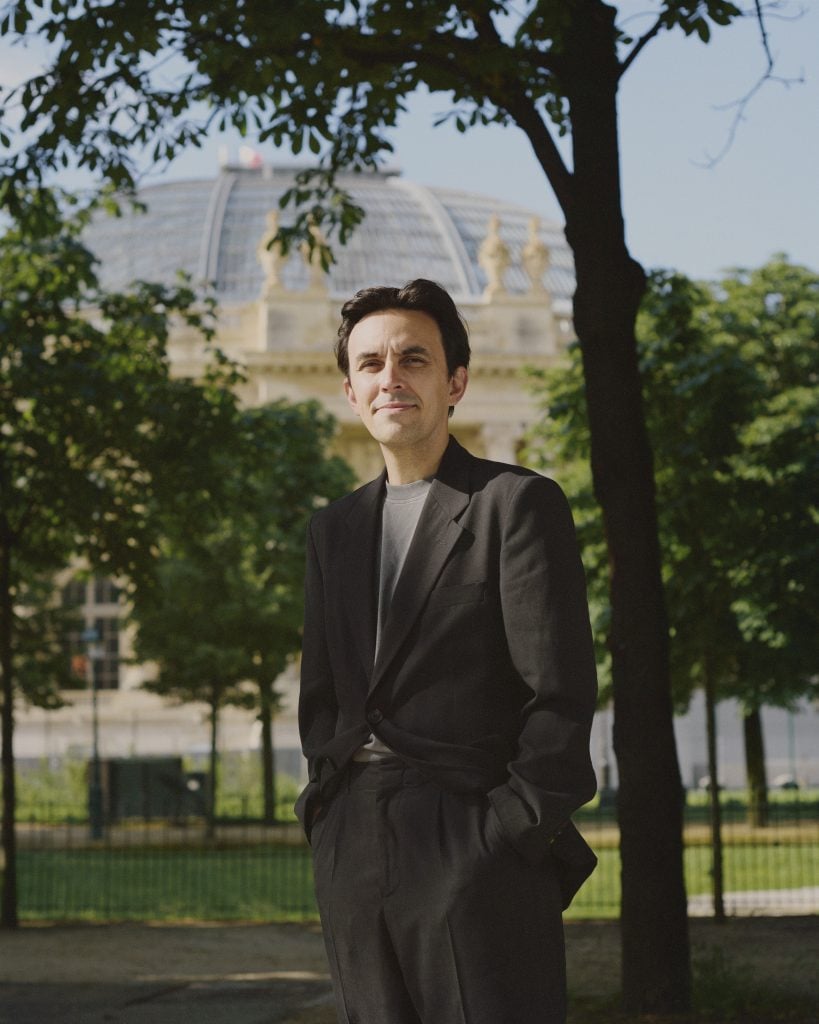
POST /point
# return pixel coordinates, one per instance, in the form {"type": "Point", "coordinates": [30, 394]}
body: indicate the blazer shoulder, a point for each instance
{"type": "Point", "coordinates": [506, 481]}
{"type": "Point", "coordinates": [338, 511]}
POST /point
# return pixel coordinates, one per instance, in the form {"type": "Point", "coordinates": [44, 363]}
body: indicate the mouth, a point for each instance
{"type": "Point", "coordinates": [395, 406]}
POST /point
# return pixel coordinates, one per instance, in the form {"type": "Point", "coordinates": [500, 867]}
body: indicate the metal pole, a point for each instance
{"type": "Point", "coordinates": [792, 743]}
{"type": "Point", "coordinates": [91, 637]}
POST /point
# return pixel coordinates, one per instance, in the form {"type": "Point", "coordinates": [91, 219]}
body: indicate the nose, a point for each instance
{"type": "Point", "coordinates": [391, 379]}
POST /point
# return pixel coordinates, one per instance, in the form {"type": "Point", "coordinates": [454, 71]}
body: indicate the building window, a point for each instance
{"type": "Point", "coordinates": [105, 591]}
{"type": "Point", "coordinates": [74, 594]}
{"type": "Point", "coordinates": [106, 668]}
{"type": "Point", "coordinates": [96, 601]}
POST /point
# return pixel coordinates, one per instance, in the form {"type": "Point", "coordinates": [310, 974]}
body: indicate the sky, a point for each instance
{"type": "Point", "coordinates": [758, 199]}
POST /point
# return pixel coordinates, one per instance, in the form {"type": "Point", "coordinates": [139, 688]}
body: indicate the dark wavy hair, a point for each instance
{"type": "Point", "coordinates": [421, 295]}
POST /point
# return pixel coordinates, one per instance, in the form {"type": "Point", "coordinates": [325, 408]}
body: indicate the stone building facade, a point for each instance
{"type": "Point", "coordinates": [510, 274]}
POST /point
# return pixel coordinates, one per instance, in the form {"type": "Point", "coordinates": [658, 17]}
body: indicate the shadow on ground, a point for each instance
{"type": "Point", "coordinates": [749, 970]}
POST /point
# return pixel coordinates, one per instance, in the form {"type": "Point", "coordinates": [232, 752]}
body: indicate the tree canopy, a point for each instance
{"type": "Point", "coordinates": [130, 86]}
{"type": "Point", "coordinates": [225, 616]}
{"type": "Point", "coordinates": [95, 434]}
{"type": "Point", "coordinates": [732, 404]}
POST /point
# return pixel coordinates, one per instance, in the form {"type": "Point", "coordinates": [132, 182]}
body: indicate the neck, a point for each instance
{"type": "Point", "coordinates": [406, 465]}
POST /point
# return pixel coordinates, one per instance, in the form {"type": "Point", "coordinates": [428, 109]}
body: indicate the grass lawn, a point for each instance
{"type": "Point", "coordinates": [746, 867]}
{"type": "Point", "coordinates": [257, 883]}
{"type": "Point", "coordinates": [274, 883]}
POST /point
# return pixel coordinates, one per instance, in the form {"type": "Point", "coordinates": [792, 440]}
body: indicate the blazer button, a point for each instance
{"type": "Point", "coordinates": [374, 716]}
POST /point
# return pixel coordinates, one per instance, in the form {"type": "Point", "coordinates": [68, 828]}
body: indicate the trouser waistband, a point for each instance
{"type": "Point", "coordinates": [383, 773]}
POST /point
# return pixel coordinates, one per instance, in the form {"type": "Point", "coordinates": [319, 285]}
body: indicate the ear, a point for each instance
{"type": "Point", "coordinates": [348, 391]}
{"type": "Point", "coordinates": [457, 384]}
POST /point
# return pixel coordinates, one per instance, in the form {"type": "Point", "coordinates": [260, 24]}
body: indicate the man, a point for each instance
{"type": "Point", "coordinates": [447, 690]}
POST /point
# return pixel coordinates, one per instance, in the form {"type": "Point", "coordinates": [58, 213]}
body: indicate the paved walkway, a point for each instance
{"type": "Point", "coordinates": [138, 974]}
{"type": "Point", "coordinates": [277, 974]}
{"type": "Point", "coordinates": [759, 903]}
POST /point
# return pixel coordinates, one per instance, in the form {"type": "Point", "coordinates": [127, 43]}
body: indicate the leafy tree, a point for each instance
{"type": "Point", "coordinates": [773, 316]}
{"type": "Point", "coordinates": [279, 473]}
{"type": "Point", "coordinates": [333, 77]}
{"type": "Point", "coordinates": [191, 629]}
{"type": "Point", "coordinates": [743, 507]}
{"type": "Point", "coordinates": [42, 622]}
{"type": "Point", "coordinates": [227, 613]}
{"type": "Point", "coordinates": [94, 434]}
{"type": "Point", "coordinates": [732, 402]}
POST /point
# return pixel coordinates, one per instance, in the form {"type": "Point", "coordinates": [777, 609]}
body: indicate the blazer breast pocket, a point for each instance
{"type": "Point", "coordinates": [460, 593]}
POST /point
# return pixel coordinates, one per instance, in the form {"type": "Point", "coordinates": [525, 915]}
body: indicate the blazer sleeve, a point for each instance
{"type": "Point", "coordinates": [318, 710]}
{"type": "Point", "coordinates": [546, 619]}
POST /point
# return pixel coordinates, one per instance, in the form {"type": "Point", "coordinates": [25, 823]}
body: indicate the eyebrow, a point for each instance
{"type": "Point", "coordinates": [410, 350]}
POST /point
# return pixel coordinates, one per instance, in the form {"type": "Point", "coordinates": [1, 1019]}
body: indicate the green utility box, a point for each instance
{"type": "Point", "coordinates": [152, 787]}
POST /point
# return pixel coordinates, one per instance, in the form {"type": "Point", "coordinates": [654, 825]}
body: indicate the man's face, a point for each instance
{"type": "Point", "coordinates": [398, 382]}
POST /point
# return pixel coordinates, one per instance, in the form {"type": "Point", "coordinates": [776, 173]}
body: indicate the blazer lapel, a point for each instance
{"type": "Point", "coordinates": [358, 565]}
{"type": "Point", "coordinates": [435, 536]}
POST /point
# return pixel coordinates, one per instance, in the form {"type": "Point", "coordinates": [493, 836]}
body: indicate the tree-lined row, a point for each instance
{"type": "Point", "coordinates": [731, 384]}
{"type": "Point", "coordinates": [109, 461]}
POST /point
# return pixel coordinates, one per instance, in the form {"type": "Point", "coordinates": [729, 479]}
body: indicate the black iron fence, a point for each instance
{"type": "Point", "coordinates": [171, 869]}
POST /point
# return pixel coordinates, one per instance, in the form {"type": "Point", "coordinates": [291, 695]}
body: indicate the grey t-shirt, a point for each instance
{"type": "Point", "coordinates": [403, 504]}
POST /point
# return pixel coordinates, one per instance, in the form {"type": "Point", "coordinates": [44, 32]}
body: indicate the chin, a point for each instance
{"type": "Point", "coordinates": [398, 436]}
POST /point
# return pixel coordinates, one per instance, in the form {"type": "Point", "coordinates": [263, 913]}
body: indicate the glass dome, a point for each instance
{"type": "Point", "coordinates": [210, 229]}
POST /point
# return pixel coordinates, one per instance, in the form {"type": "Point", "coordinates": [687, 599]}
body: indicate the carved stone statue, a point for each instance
{"type": "Point", "coordinates": [494, 259]}
{"type": "Point", "coordinates": [318, 275]}
{"type": "Point", "coordinates": [535, 258]}
{"type": "Point", "coordinates": [269, 254]}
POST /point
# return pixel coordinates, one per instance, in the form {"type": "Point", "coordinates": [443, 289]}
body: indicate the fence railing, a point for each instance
{"type": "Point", "coordinates": [172, 870]}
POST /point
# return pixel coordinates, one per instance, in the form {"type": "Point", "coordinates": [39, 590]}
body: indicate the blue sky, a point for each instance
{"type": "Point", "coordinates": [760, 198]}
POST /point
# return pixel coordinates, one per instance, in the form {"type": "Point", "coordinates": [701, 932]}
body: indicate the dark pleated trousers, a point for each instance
{"type": "Point", "coordinates": [429, 915]}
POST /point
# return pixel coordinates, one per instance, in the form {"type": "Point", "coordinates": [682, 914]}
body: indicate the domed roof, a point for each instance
{"type": "Point", "coordinates": [211, 228]}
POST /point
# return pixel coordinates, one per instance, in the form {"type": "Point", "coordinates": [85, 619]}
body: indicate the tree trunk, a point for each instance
{"type": "Point", "coordinates": [715, 809]}
{"type": "Point", "coordinates": [654, 923]}
{"type": "Point", "coordinates": [755, 768]}
{"type": "Point", "coordinates": [8, 908]}
{"type": "Point", "coordinates": [268, 754]}
{"type": "Point", "coordinates": [210, 819]}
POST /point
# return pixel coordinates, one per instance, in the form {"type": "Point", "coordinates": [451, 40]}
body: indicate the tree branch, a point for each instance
{"type": "Point", "coordinates": [488, 33]}
{"type": "Point", "coordinates": [456, 57]}
{"type": "Point", "coordinates": [524, 112]}
{"type": "Point", "coordinates": [740, 105]}
{"type": "Point", "coordinates": [763, 32]}
{"type": "Point", "coordinates": [528, 119]}
{"type": "Point", "coordinates": [655, 30]}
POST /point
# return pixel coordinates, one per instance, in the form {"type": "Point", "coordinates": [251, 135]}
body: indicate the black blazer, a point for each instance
{"type": "Point", "coordinates": [485, 677]}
